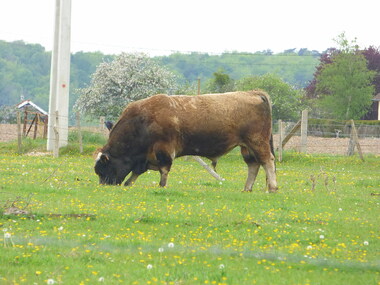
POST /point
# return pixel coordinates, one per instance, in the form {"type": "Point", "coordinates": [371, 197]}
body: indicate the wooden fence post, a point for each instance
{"type": "Point", "coordinates": [19, 134]}
{"type": "Point", "coordinates": [304, 131]}
{"type": "Point", "coordinates": [56, 135]}
{"type": "Point", "coordinates": [102, 120]}
{"type": "Point", "coordinates": [281, 137]}
{"type": "Point", "coordinates": [25, 120]}
{"type": "Point", "coordinates": [354, 141]}
{"type": "Point", "coordinates": [36, 122]}
{"type": "Point", "coordinates": [79, 133]}
{"type": "Point", "coordinates": [292, 132]}
{"type": "Point", "coordinates": [208, 168]}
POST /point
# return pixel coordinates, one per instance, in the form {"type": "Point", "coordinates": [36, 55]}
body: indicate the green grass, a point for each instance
{"type": "Point", "coordinates": [78, 232]}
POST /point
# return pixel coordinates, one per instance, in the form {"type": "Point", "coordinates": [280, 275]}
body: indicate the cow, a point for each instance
{"type": "Point", "coordinates": [152, 132]}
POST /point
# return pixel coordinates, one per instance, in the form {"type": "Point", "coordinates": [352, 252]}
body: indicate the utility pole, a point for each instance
{"type": "Point", "coordinates": [60, 76]}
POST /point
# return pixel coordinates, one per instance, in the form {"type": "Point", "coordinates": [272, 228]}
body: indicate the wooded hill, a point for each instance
{"type": "Point", "coordinates": [25, 69]}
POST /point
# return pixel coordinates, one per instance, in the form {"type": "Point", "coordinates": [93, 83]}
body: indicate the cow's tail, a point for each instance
{"type": "Point", "coordinates": [266, 98]}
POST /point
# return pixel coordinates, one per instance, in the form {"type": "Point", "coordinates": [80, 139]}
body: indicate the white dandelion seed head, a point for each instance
{"type": "Point", "coordinates": [7, 235]}
{"type": "Point", "coordinates": [60, 228]}
{"type": "Point", "coordinates": [366, 242]}
{"type": "Point", "coordinates": [50, 281]}
{"type": "Point", "coordinates": [170, 245]}
{"type": "Point", "coordinates": [221, 266]}
{"type": "Point", "coordinates": [309, 247]}
{"type": "Point", "coordinates": [101, 279]}
{"type": "Point", "coordinates": [149, 266]}
{"type": "Point", "coordinates": [340, 209]}
{"type": "Point", "coordinates": [161, 249]}
{"type": "Point", "coordinates": [321, 236]}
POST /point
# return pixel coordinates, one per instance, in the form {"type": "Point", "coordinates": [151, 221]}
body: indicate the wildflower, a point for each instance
{"type": "Point", "coordinates": [149, 266]}
{"type": "Point", "coordinates": [101, 279]}
{"type": "Point", "coordinates": [309, 247]}
{"type": "Point", "coordinates": [340, 209]}
{"type": "Point", "coordinates": [50, 281]}
{"type": "Point", "coordinates": [321, 236]}
{"type": "Point", "coordinates": [7, 235]}
{"type": "Point", "coordinates": [60, 228]}
{"type": "Point", "coordinates": [38, 272]}
{"type": "Point", "coordinates": [170, 245]}
{"type": "Point", "coordinates": [366, 242]}
{"type": "Point", "coordinates": [161, 249]}
{"type": "Point", "coordinates": [221, 266]}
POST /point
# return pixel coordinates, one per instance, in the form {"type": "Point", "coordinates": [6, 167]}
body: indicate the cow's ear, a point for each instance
{"type": "Point", "coordinates": [102, 157]}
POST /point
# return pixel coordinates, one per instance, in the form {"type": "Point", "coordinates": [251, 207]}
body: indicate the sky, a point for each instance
{"type": "Point", "coordinates": [161, 27]}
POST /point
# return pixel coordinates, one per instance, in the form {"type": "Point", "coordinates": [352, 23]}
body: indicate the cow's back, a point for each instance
{"type": "Point", "coordinates": [209, 125]}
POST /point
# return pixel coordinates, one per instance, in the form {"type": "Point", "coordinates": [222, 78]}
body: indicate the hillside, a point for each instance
{"type": "Point", "coordinates": [25, 69]}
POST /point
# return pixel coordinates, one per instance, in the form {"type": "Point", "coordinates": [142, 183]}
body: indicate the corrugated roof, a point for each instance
{"type": "Point", "coordinates": [30, 103]}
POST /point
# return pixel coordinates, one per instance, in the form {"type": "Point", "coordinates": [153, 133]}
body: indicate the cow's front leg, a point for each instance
{"type": "Point", "coordinates": [131, 179]}
{"type": "Point", "coordinates": [164, 171]}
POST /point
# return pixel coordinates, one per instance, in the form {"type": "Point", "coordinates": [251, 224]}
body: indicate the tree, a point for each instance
{"type": "Point", "coordinates": [286, 100]}
{"type": "Point", "coordinates": [345, 85]}
{"type": "Point", "coordinates": [127, 78]}
{"type": "Point", "coordinates": [372, 56]}
{"type": "Point", "coordinates": [221, 82]}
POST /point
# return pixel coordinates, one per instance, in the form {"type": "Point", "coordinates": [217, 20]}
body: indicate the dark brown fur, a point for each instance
{"type": "Point", "coordinates": [152, 132]}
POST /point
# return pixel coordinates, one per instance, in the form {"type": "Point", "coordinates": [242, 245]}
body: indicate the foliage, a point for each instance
{"type": "Point", "coordinates": [296, 68]}
{"type": "Point", "coordinates": [127, 78]}
{"type": "Point", "coordinates": [8, 114]}
{"type": "Point", "coordinates": [196, 230]}
{"type": "Point", "coordinates": [345, 85]}
{"type": "Point", "coordinates": [25, 69]}
{"type": "Point", "coordinates": [25, 72]}
{"type": "Point", "coordinates": [371, 54]}
{"type": "Point", "coordinates": [220, 83]}
{"type": "Point", "coordinates": [286, 100]}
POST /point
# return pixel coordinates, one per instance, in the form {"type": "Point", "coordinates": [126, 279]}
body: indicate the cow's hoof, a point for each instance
{"type": "Point", "coordinates": [245, 190]}
{"type": "Point", "coordinates": [272, 190]}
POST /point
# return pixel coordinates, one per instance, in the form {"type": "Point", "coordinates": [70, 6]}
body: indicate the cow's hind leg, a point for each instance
{"type": "Point", "coordinates": [253, 168]}
{"type": "Point", "coordinates": [263, 154]}
{"type": "Point", "coordinates": [164, 165]}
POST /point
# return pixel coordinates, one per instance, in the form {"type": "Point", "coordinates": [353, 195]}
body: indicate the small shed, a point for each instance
{"type": "Point", "coordinates": [376, 107]}
{"type": "Point", "coordinates": [33, 116]}
{"type": "Point", "coordinates": [374, 112]}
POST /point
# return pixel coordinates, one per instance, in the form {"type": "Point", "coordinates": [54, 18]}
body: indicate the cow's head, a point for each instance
{"type": "Point", "coordinates": [112, 170]}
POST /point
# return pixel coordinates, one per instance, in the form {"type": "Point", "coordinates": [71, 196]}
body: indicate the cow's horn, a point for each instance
{"type": "Point", "coordinates": [101, 156]}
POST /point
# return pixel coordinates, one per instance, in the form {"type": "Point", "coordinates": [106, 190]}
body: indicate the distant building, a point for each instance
{"type": "Point", "coordinates": [374, 113]}
{"type": "Point", "coordinates": [33, 116]}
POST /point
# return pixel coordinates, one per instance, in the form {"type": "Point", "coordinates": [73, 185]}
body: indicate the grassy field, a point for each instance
{"type": "Point", "coordinates": [321, 228]}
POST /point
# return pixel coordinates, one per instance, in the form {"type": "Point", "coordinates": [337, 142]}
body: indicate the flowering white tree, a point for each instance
{"type": "Point", "coordinates": [128, 78]}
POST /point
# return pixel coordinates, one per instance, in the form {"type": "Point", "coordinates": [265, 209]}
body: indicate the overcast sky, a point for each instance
{"type": "Point", "coordinates": [164, 26]}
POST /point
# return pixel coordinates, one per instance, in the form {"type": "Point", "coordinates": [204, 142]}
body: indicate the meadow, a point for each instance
{"type": "Point", "coordinates": [322, 227]}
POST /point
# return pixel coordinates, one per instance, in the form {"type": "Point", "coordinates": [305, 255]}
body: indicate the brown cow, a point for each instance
{"type": "Point", "coordinates": [152, 132]}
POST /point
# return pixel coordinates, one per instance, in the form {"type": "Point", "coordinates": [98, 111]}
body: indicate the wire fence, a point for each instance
{"type": "Point", "coordinates": [323, 136]}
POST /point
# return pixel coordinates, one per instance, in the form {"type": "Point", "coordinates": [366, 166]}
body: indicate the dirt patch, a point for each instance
{"type": "Point", "coordinates": [330, 145]}
{"type": "Point", "coordinates": [8, 132]}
